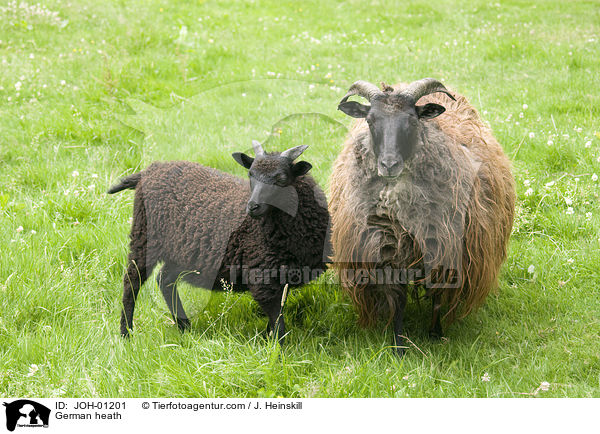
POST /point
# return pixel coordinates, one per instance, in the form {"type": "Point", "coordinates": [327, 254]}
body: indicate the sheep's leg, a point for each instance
{"type": "Point", "coordinates": [167, 281]}
{"type": "Point", "coordinates": [398, 325]}
{"type": "Point", "coordinates": [134, 278]}
{"type": "Point", "coordinates": [273, 310]}
{"type": "Point", "coordinates": [435, 330]}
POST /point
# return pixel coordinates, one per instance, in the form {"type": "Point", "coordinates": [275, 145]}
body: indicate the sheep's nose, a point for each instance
{"type": "Point", "coordinates": [253, 206]}
{"type": "Point", "coordinates": [389, 163]}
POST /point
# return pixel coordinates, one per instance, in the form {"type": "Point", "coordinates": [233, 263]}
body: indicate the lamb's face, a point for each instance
{"type": "Point", "coordinates": [272, 178]}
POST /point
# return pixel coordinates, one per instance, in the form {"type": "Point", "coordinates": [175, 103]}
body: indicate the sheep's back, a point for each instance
{"type": "Point", "coordinates": [191, 212]}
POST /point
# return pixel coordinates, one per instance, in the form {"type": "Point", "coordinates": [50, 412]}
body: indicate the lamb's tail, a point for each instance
{"type": "Point", "coordinates": [129, 182]}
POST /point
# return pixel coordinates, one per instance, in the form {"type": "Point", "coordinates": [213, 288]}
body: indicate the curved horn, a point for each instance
{"type": "Point", "coordinates": [425, 86]}
{"type": "Point", "coordinates": [294, 152]}
{"type": "Point", "coordinates": [258, 150]}
{"type": "Point", "coordinates": [362, 88]}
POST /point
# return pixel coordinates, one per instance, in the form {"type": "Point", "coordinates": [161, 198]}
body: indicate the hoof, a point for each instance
{"type": "Point", "coordinates": [183, 324]}
{"type": "Point", "coordinates": [436, 334]}
{"type": "Point", "coordinates": [125, 334]}
{"type": "Point", "coordinates": [399, 352]}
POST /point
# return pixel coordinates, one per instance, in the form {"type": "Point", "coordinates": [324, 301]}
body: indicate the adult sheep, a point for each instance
{"type": "Point", "coordinates": [418, 200]}
{"type": "Point", "coordinates": [217, 231]}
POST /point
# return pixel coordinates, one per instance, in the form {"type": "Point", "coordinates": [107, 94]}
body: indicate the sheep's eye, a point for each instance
{"type": "Point", "coordinates": [281, 179]}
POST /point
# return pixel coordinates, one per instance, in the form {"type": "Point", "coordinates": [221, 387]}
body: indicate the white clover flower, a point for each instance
{"type": "Point", "coordinates": [588, 215]}
{"type": "Point", "coordinates": [529, 192]}
{"type": "Point", "coordinates": [75, 174]}
{"type": "Point", "coordinates": [33, 232]}
{"type": "Point", "coordinates": [570, 260]}
{"type": "Point", "coordinates": [550, 143]}
{"type": "Point", "coordinates": [570, 211]}
{"type": "Point", "coordinates": [531, 269]}
{"type": "Point", "coordinates": [588, 144]}
{"type": "Point", "coordinates": [568, 201]}
{"type": "Point", "coordinates": [526, 183]}
{"type": "Point", "coordinates": [20, 229]}
{"type": "Point", "coordinates": [32, 370]}
{"type": "Point", "coordinates": [531, 135]}
{"type": "Point", "coordinates": [594, 177]}
{"type": "Point", "coordinates": [63, 82]}
{"type": "Point", "coordinates": [486, 377]}
{"type": "Point", "coordinates": [18, 85]}
{"type": "Point", "coordinates": [521, 115]}
{"type": "Point", "coordinates": [525, 106]}
{"type": "Point", "coordinates": [94, 175]}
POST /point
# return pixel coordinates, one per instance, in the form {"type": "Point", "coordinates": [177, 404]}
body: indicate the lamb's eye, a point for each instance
{"type": "Point", "coordinates": [281, 179]}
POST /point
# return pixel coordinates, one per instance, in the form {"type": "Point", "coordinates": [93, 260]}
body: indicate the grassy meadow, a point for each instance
{"type": "Point", "coordinates": [91, 91]}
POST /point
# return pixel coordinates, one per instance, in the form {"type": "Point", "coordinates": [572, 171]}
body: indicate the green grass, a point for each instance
{"type": "Point", "coordinates": [103, 89]}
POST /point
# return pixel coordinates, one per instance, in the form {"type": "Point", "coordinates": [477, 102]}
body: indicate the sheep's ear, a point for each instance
{"type": "Point", "coordinates": [429, 111]}
{"type": "Point", "coordinates": [354, 109]}
{"type": "Point", "coordinates": [301, 168]}
{"type": "Point", "coordinates": [243, 159]}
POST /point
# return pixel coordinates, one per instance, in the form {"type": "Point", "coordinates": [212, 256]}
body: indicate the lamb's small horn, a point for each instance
{"type": "Point", "coordinates": [258, 150]}
{"type": "Point", "coordinates": [294, 152]}
{"type": "Point", "coordinates": [425, 86]}
{"type": "Point", "coordinates": [364, 89]}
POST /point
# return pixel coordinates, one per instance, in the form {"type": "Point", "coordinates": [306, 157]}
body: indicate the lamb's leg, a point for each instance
{"type": "Point", "coordinates": [167, 281]}
{"type": "Point", "coordinates": [134, 278]}
{"type": "Point", "coordinates": [435, 330]}
{"type": "Point", "coordinates": [398, 325]}
{"type": "Point", "coordinates": [273, 310]}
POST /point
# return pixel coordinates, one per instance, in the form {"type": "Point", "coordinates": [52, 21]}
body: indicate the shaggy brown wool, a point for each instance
{"type": "Point", "coordinates": [452, 206]}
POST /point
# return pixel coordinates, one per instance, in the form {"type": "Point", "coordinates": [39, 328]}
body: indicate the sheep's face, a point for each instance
{"type": "Point", "coordinates": [394, 126]}
{"type": "Point", "coordinates": [272, 178]}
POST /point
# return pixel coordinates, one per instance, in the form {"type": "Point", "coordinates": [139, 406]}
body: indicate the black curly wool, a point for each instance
{"type": "Point", "coordinates": [193, 220]}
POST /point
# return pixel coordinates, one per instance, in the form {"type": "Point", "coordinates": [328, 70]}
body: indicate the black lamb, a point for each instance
{"type": "Point", "coordinates": [216, 231]}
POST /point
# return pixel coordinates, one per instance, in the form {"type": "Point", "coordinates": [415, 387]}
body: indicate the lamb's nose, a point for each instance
{"type": "Point", "coordinates": [253, 206]}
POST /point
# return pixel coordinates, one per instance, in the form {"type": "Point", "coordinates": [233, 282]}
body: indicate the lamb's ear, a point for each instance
{"type": "Point", "coordinates": [354, 109]}
{"type": "Point", "coordinates": [429, 111]}
{"type": "Point", "coordinates": [243, 159]}
{"type": "Point", "coordinates": [301, 168]}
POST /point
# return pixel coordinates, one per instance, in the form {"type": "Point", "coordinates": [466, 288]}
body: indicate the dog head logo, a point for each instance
{"type": "Point", "coordinates": [26, 413]}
